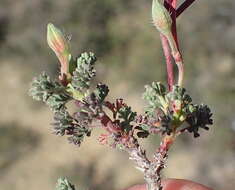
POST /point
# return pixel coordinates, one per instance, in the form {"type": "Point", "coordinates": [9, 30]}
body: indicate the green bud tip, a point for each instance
{"type": "Point", "coordinates": [56, 39]}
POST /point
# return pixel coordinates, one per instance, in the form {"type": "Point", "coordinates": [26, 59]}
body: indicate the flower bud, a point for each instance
{"type": "Point", "coordinates": [60, 46]}
{"type": "Point", "coordinates": [161, 17]}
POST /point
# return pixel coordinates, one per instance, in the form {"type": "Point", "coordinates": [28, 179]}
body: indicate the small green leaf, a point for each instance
{"type": "Point", "coordinates": [64, 184]}
{"type": "Point", "coordinates": [101, 92]}
{"type": "Point", "coordinates": [155, 97]}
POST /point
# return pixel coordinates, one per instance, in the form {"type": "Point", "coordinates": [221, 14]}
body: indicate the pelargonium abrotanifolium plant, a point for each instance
{"type": "Point", "coordinates": [170, 111]}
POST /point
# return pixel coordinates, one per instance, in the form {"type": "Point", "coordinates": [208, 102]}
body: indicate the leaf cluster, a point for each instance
{"type": "Point", "coordinates": [56, 95]}
{"type": "Point", "coordinates": [199, 117]}
{"type": "Point", "coordinates": [52, 93]}
{"type": "Point", "coordinates": [74, 128]}
{"type": "Point", "coordinates": [84, 71]}
{"type": "Point", "coordinates": [167, 111]}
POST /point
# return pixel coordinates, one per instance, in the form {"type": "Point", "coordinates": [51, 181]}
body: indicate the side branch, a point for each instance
{"type": "Point", "coordinates": [138, 156]}
{"type": "Point", "coordinates": [183, 7]}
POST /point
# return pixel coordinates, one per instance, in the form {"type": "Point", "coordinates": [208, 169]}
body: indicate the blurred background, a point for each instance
{"type": "Point", "coordinates": [130, 55]}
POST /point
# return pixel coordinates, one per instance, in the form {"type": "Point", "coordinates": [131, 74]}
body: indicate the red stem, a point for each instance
{"type": "Point", "coordinates": [173, 16]}
{"type": "Point", "coordinates": [183, 6]}
{"type": "Point", "coordinates": [171, 6]}
{"type": "Point", "coordinates": [169, 65]}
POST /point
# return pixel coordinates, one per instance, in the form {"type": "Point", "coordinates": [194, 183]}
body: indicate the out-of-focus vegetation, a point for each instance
{"type": "Point", "coordinates": [128, 47]}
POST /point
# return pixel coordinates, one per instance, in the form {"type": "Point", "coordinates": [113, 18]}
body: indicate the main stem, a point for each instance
{"type": "Point", "coordinates": [150, 168]}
